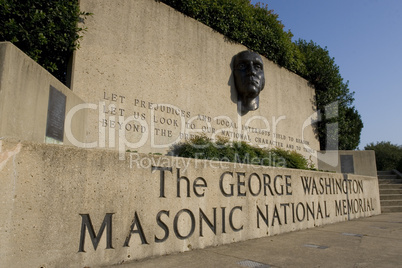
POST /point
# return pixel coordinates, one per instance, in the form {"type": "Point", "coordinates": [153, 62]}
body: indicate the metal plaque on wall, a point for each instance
{"type": "Point", "coordinates": [347, 165]}
{"type": "Point", "coordinates": [56, 114]}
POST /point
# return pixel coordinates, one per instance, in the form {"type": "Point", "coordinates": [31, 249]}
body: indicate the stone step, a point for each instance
{"type": "Point", "coordinates": [387, 172]}
{"type": "Point", "coordinates": [390, 191]}
{"type": "Point", "coordinates": [390, 197]}
{"type": "Point", "coordinates": [387, 177]}
{"type": "Point", "coordinates": [391, 209]}
{"type": "Point", "coordinates": [391, 203]}
{"type": "Point", "coordinates": [390, 186]}
{"type": "Point", "coordinates": [392, 181]}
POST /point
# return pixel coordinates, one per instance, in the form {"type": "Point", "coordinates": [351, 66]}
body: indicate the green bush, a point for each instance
{"type": "Point", "coordinates": [387, 155]}
{"type": "Point", "coordinates": [333, 99]}
{"type": "Point", "coordinates": [47, 31]}
{"type": "Point", "coordinates": [201, 147]}
{"type": "Point", "coordinates": [293, 159]}
{"type": "Point", "coordinates": [399, 165]}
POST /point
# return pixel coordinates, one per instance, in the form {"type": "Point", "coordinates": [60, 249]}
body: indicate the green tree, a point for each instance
{"type": "Point", "coordinates": [47, 31]}
{"type": "Point", "coordinates": [399, 166]}
{"type": "Point", "coordinates": [387, 155]}
{"type": "Point", "coordinates": [333, 99]}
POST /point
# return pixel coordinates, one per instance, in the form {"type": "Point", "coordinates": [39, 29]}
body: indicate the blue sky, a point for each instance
{"type": "Point", "coordinates": [365, 38]}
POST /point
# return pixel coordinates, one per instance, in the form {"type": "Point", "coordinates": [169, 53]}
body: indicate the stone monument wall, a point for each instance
{"type": "Point", "coordinates": [145, 78]}
{"type": "Point", "coordinates": [33, 103]}
{"type": "Point", "coordinates": [157, 77]}
{"type": "Point", "coordinates": [64, 206]}
{"type": "Point", "coordinates": [352, 162]}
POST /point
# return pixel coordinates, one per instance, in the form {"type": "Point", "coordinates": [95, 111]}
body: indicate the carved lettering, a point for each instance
{"type": "Point", "coordinates": [86, 224]}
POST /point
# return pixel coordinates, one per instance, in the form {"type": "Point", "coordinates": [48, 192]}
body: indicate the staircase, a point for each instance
{"type": "Point", "coordinates": [390, 184]}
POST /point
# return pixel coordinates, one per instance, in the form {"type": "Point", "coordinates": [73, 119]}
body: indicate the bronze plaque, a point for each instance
{"type": "Point", "coordinates": [56, 114]}
{"type": "Point", "coordinates": [347, 165]}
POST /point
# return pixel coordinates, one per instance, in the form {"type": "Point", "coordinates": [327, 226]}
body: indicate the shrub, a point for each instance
{"type": "Point", "coordinates": [399, 165]}
{"type": "Point", "coordinates": [387, 155]}
{"type": "Point", "coordinates": [47, 31]}
{"type": "Point", "coordinates": [293, 159]}
{"type": "Point", "coordinates": [201, 147]}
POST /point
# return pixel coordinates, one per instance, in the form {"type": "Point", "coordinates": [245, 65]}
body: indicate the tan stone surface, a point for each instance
{"type": "Point", "coordinates": [137, 54]}
{"type": "Point", "coordinates": [46, 188]}
{"type": "Point", "coordinates": [366, 242]}
{"type": "Point", "coordinates": [363, 161]}
{"type": "Point", "coordinates": [24, 97]}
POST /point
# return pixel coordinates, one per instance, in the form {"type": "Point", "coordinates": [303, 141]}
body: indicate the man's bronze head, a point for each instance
{"type": "Point", "coordinates": [248, 72]}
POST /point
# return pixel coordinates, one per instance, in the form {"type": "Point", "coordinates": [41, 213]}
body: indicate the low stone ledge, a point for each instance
{"type": "Point", "coordinates": [66, 207]}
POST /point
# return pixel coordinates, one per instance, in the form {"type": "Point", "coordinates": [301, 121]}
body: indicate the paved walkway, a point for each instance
{"type": "Point", "coordinates": [366, 242]}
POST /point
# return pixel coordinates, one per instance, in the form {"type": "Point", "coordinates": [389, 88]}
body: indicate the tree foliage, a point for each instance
{"type": "Point", "coordinates": [388, 156]}
{"type": "Point", "coordinates": [47, 31]}
{"type": "Point", "coordinates": [259, 29]}
{"type": "Point", "coordinates": [333, 99]}
{"type": "Point", "coordinates": [399, 166]}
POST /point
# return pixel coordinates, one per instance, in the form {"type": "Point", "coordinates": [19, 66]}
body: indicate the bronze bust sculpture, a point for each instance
{"type": "Point", "coordinates": [248, 72]}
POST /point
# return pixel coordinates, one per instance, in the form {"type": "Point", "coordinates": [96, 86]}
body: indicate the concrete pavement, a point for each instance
{"type": "Point", "coordinates": [367, 242]}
